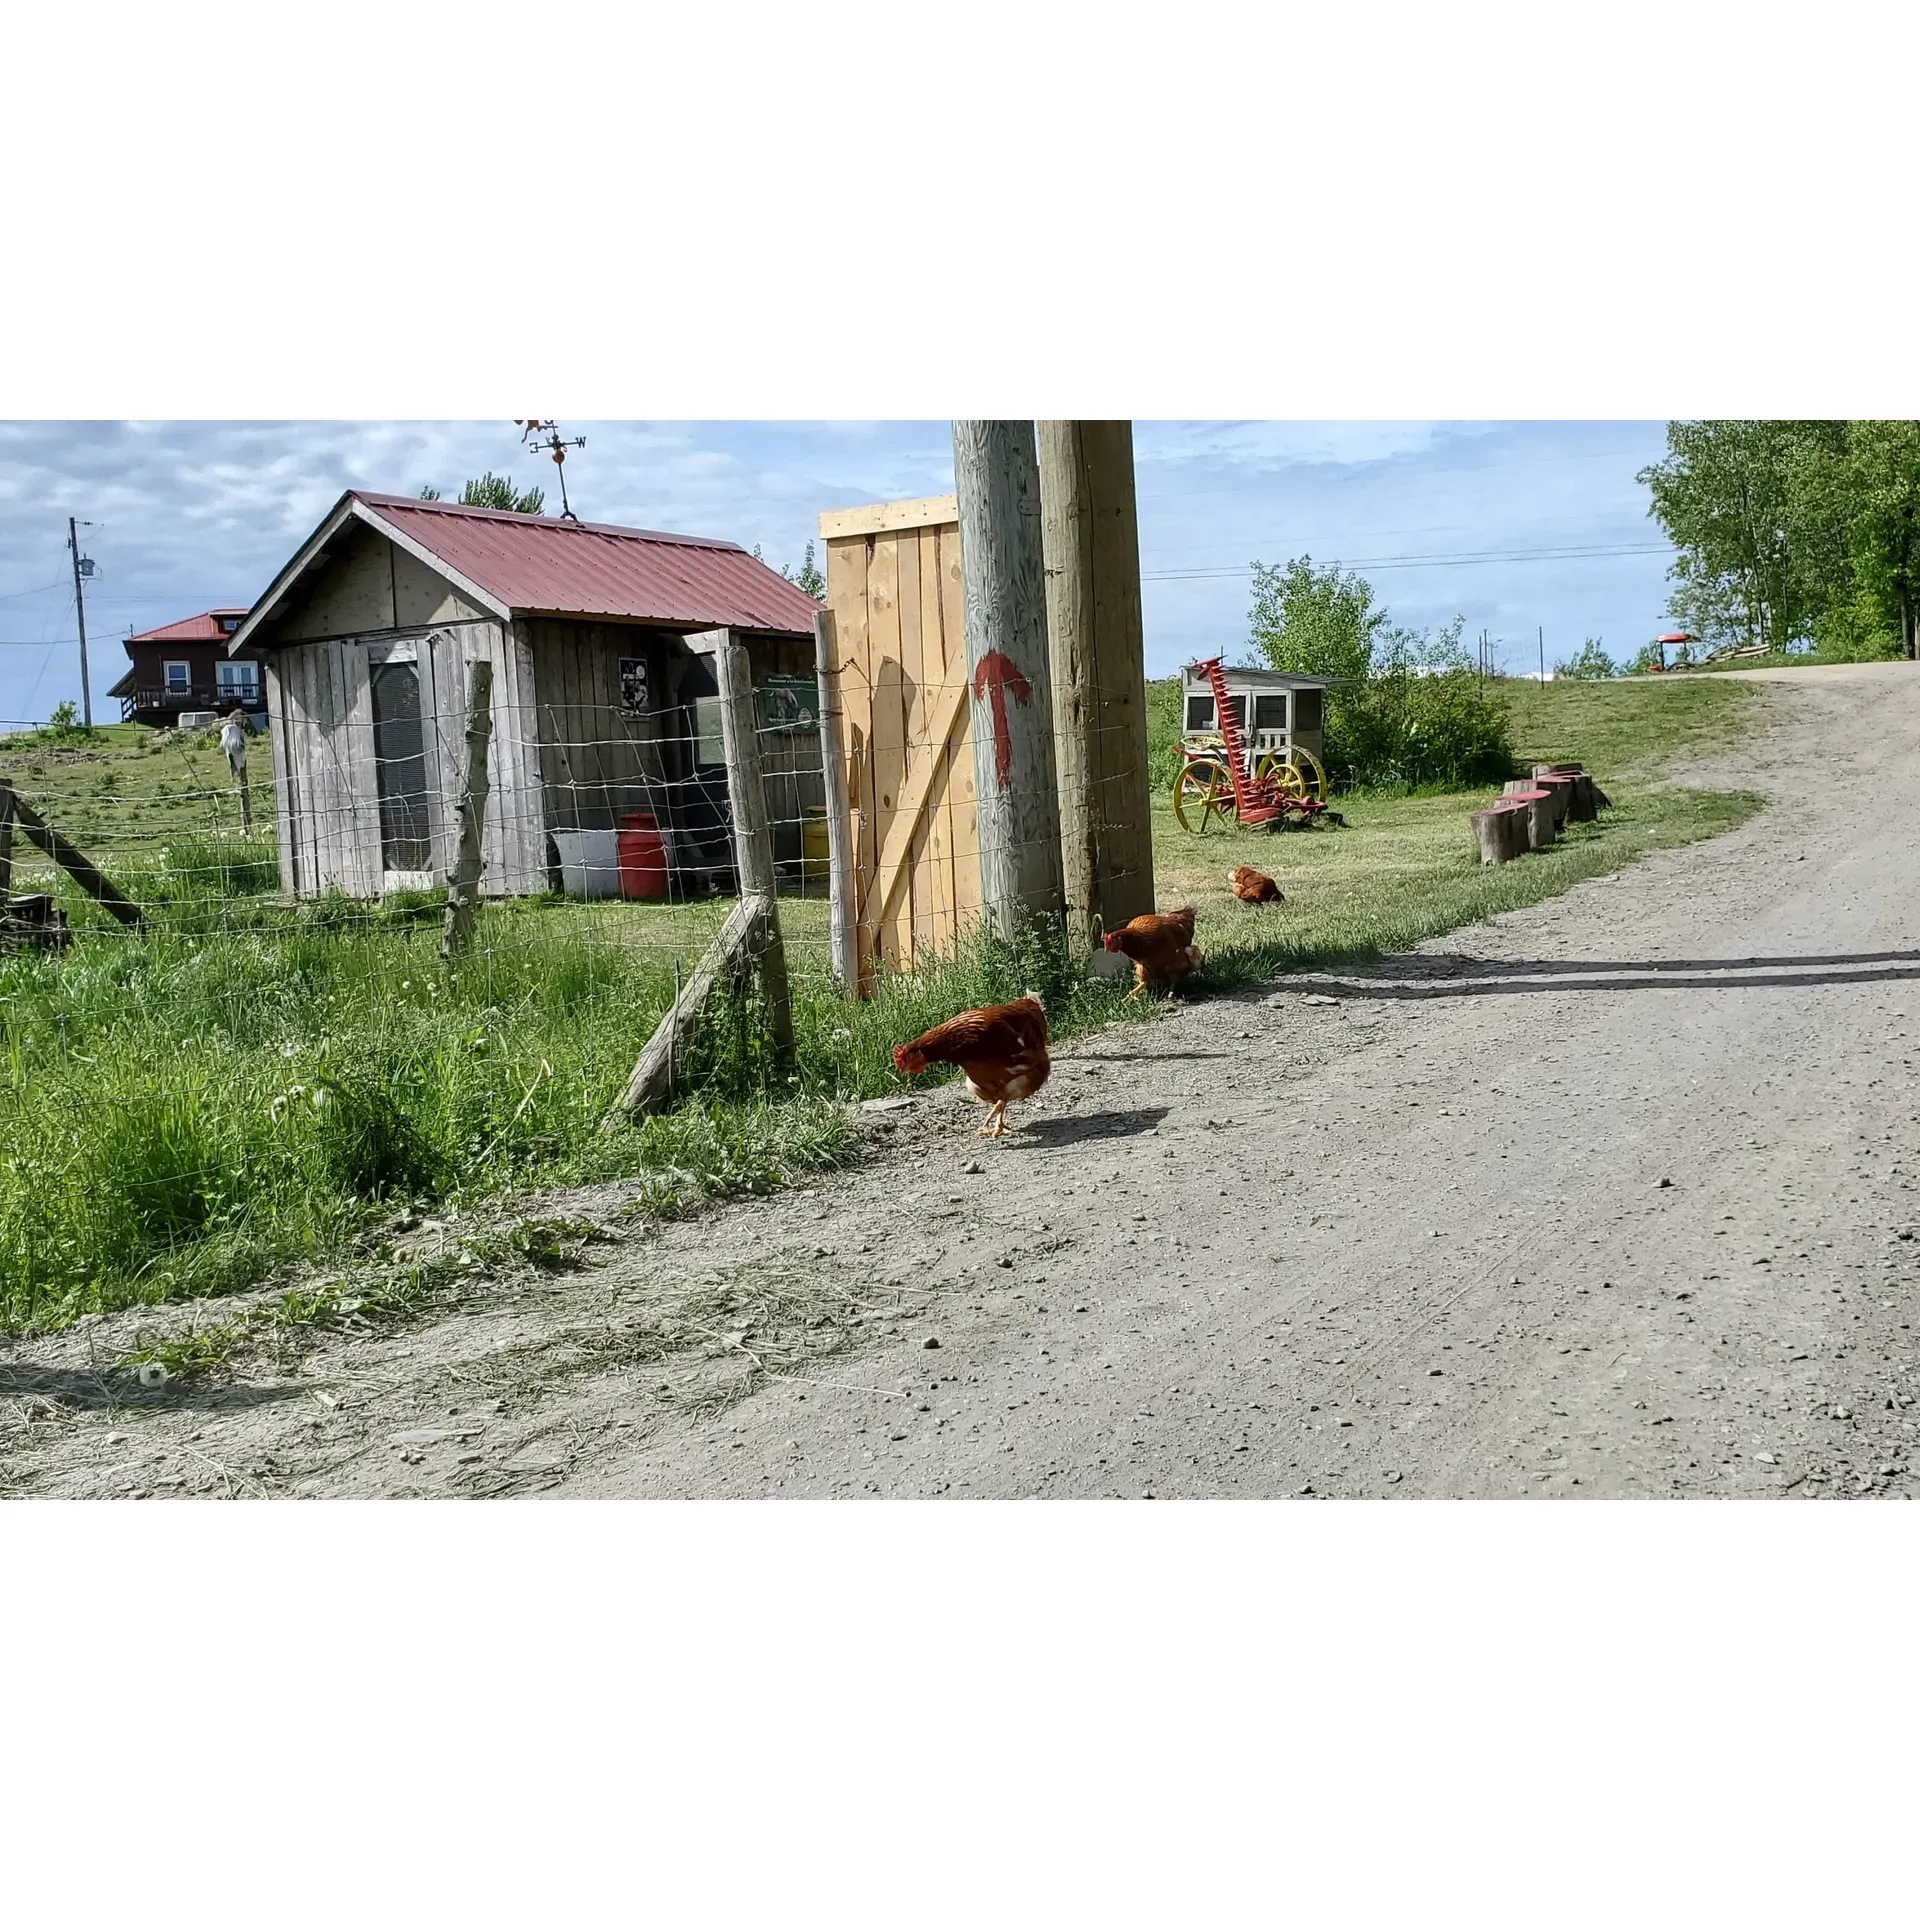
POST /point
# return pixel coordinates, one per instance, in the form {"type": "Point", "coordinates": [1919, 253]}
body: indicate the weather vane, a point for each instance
{"type": "Point", "coordinates": [544, 436]}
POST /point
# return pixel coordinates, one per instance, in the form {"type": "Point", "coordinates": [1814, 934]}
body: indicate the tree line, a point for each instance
{"type": "Point", "coordinates": [1794, 533]}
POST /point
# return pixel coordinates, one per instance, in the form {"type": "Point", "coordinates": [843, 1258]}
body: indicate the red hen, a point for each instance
{"type": "Point", "coordinates": [1001, 1050]}
{"type": "Point", "coordinates": [1160, 945]}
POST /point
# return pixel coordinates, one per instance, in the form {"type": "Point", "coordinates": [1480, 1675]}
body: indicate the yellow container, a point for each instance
{"type": "Point", "coordinates": [813, 844]}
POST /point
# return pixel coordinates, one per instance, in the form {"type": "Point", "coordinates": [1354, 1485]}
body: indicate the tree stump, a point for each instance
{"type": "Point", "coordinates": [1495, 835]}
{"type": "Point", "coordinates": [1541, 828]}
{"type": "Point", "coordinates": [1559, 787]}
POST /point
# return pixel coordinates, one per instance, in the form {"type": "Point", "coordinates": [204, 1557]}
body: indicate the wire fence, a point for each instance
{"type": "Point", "coordinates": [278, 1045]}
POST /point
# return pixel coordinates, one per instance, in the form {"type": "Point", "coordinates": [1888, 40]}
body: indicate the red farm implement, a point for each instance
{"type": "Point", "coordinates": [1281, 784]}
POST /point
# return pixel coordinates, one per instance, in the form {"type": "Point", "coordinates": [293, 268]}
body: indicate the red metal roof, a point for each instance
{"type": "Point", "coordinates": [535, 564]}
{"type": "Point", "coordinates": [202, 626]}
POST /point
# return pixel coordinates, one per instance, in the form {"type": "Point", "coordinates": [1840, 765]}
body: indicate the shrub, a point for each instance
{"type": "Point", "coordinates": [1592, 662]}
{"type": "Point", "coordinates": [1405, 731]}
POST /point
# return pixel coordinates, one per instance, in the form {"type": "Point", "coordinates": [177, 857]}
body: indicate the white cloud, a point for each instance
{"type": "Point", "coordinates": [197, 513]}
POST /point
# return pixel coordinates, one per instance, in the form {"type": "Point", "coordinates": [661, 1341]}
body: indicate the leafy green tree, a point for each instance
{"type": "Point", "coordinates": [1882, 490]}
{"type": "Point", "coordinates": [496, 491]}
{"type": "Point", "coordinates": [1592, 662]}
{"type": "Point", "coordinates": [1415, 713]}
{"type": "Point", "coordinates": [1752, 508]}
{"type": "Point", "coordinates": [64, 725]}
{"type": "Point", "coordinates": [809, 579]}
{"type": "Point", "coordinates": [1308, 619]}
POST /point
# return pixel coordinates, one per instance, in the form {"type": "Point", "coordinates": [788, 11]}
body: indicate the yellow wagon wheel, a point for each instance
{"type": "Point", "coordinates": [1286, 778]}
{"type": "Point", "coordinates": [1312, 775]}
{"type": "Point", "coordinates": [1299, 776]}
{"type": "Point", "coordinates": [1202, 794]}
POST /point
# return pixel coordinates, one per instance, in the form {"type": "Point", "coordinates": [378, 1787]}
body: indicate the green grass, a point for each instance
{"type": "Point", "coordinates": [1405, 869]}
{"type": "Point", "coordinates": [251, 1084]}
{"type": "Point", "coordinates": [184, 1112]}
{"type": "Point", "coordinates": [129, 791]}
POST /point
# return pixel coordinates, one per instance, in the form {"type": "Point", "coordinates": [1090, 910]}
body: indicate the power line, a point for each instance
{"type": "Point", "coordinates": [1491, 557]}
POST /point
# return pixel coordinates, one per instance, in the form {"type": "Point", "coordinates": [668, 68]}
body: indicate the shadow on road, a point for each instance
{"type": "Point", "coordinates": [87, 1389]}
{"type": "Point", "coordinates": [1067, 1130]}
{"type": "Point", "coordinates": [1440, 978]}
{"type": "Point", "coordinates": [1145, 1059]}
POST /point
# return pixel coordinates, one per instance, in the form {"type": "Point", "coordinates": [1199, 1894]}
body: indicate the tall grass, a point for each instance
{"type": "Point", "coordinates": [181, 1111]}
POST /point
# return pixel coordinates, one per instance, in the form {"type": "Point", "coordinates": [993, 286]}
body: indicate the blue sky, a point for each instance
{"type": "Point", "coordinates": [1445, 517]}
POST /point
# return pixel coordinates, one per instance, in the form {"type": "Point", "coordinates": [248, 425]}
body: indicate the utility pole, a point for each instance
{"type": "Point", "coordinates": [1543, 656]}
{"type": "Point", "coordinates": [1091, 544]}
{"type": "Point", "coordinates": [80, 569]}
{"type": "Point", "coordinates": [997, 482]}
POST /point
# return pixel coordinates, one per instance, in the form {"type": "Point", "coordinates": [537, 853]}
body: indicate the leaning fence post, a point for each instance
{"type": "Point", "coordinates": [463, 881]}
{"type": "Point", "coordinates": [75, 864]}
{"type": "Point", "coordinates": [752, 832]}
{"type": "Point", "coordinates": [6, 839]}
{"type": "Point", "coordinates": [833, 761]}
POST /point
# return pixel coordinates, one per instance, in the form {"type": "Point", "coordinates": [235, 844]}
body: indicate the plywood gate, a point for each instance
{"type": "Point", "coordinates": [900, 653]}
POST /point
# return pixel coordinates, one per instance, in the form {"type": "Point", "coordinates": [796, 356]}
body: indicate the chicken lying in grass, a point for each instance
{"type": "Point", "coordinates": [1001, 1050]}
{"type": "Point", "coordinates": [1160, 945]}
{"type": "Point", "coordinates": [1255, 888]}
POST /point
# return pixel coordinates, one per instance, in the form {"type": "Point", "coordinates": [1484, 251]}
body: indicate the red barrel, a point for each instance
{"type": "Point", "coordinates": [643, 858]}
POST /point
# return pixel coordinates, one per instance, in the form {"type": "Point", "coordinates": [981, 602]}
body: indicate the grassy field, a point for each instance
{"type": "Point", "coordinates": [1405, 870]}
{"type": "Point", "coordinates": [251, 1083]}
{"type": "Point", "coordinates": [128, 792]}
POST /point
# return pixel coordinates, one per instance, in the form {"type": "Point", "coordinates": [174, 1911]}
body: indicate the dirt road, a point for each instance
{"type": "Point", "coordinates": [1601, 1200]}
{"type": "Point", "coordinates": [1615, 1196]}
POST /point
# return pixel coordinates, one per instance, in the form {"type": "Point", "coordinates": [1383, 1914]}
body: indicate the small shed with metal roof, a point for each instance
{"type": "Point", "coordinates": [599, 707]}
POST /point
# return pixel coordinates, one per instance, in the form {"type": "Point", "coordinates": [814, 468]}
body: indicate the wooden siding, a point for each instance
{"type": "Point", "coordinates": [371, 586]}
{"type": "Point", "coordinates": [597, 761]}
{"type": "Point", "coordinates": [894, 585]}
{"type": "Point", "coordinates": [327, 786]}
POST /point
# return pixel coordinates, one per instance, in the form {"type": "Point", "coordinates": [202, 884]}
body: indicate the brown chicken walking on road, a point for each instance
{"type": "Point", "coordinates": [1001, 1050]}
{"type": "Point", "coordinates": [1255, 888]}
{"type": "Point", "coordinates": [1160, 945]}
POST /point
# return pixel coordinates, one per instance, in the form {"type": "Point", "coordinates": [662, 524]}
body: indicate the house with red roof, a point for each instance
{"type": "Point", "coordinates": [187, 667]}
{"type": "Point", "coordinates": [600, 709]}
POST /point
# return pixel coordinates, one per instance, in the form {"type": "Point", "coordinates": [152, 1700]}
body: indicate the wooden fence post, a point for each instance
{"type": "Point", "coordinates": [1091, 543]}
{"type": "Point", "coordinates": [833, 761]}
{"type": "Point", "coordinates": [6, 839]}
{"type": "Point", "coordinates": [752, 832]}
{"type": "Point", "coordinates": [649, 1086]}
{"type": "Point", "coordinates": [997, 483]}
{"type": "Point", "coordinates": [463, 878]}
{"type": "Point", "coordinates": [75, 864]}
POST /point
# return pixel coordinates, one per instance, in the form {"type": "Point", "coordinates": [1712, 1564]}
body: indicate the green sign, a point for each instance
{"type": "Point", "coordinates": [791, 701]}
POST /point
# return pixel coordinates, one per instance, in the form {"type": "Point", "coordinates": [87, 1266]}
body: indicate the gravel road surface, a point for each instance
{"type": "Point", "coordinates": [1615, 1196]}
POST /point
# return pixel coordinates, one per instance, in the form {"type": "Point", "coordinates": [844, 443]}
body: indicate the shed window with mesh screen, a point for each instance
{"type": "Point", "coordinates": [1307, 710]}
{"type": "Point", "coordinates": [400, 767]}
{"type": "Point", "coordinates": [1199, 713]}
{"type": "Point", "coordinates": [1270, 713]}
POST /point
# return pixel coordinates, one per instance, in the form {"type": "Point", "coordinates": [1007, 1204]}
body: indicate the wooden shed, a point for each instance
{"type": "Point", "coordinates": [599, 707]}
